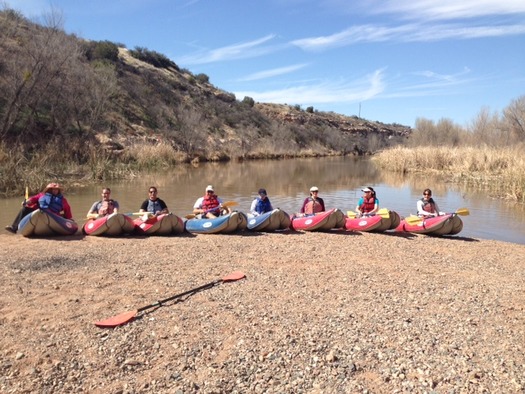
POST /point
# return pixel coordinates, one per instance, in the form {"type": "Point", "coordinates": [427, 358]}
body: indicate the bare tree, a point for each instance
{"type": "Point", "coordinates": [515, 117]}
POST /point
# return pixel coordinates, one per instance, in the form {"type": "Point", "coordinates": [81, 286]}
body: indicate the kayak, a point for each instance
{"type": "Point", "coordinates": [113, 224]}
{"type": "Point", "coordinates": [365, 223]}
{"type": "Point", "coordinates": [448, 224]}
{"type": "Point", "coordinates": [382, 221]}
{"type": "Point", "coordinates": [44, 223]}
{"type": "Point", "coordinates": [321, 221]}
{"type": "Point", "coordinates": [159, 225]}
{"type": "Point", "coordinates": [269, 221]}
{"type": "Point", "coordinates": [225, 224]}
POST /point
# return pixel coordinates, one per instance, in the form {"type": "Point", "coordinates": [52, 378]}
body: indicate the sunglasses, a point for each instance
{"type": "Point", "coordinates": [427, 194]}
{"type": "Point", "coordinates": [153, 191]}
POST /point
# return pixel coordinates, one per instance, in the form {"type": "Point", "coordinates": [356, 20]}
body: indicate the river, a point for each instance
{"type": "Point", "coordinates": [339, 180]}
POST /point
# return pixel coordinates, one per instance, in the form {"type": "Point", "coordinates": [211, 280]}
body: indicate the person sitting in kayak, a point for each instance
{"type": "Point", "coordinates": [367, 205]}
{"type": "Point", "coordinates": [104, 207]}
{"type": "Point", "coordinates": [209, 206]}
{"type": "Point", "coordinates": [314, 203]}
{"type": "Point", "coordinates": [32, 204]}
{"type": "Point", "coordinates": [54, 200]}
{"type": "Point", "coordinates": [153, 204]}
{"type": "Point", "coordinates": [261, 204]}
{"type": "Point", "coordinates": [426, 206]}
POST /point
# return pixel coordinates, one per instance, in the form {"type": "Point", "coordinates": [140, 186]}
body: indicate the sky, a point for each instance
{"type": "Point", "coordinates": [392, 61]}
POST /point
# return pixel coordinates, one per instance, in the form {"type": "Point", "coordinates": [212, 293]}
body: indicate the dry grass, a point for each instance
{"type": "Point", "coordinates": [491, 168]}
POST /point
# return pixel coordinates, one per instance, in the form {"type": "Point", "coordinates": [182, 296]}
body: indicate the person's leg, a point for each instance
{"type": "Point", "coordinates": [23, 212]}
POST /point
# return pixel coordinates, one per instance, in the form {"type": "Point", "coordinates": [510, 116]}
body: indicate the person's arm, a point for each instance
{"type": "Point", "coordinates": [252, 208]}
{"type": "Point", "coordinates": [304, 204]}
{"type": "Point", "coordinates": [144, 206]}
{"type": "Point", "coordinates": [197, 207]}
{"type": "Point", "coordinates": [421, 211]}
{"type": "Point", "coordinates": [67, 209]}
{"type": "Point", "coordinates": [116, 207]}
{"type": "Point", "coordinates": [227, 209]}
{"type": "Point", "coordinates": [321, 201]}
{"type": "Point", "coordinates": [358, 207]}
{"type": "Point", "coordinates": [163, 208]}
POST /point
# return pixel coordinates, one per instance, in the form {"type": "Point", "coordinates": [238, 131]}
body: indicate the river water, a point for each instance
{"type": "Point", "coordinates": [288, 182]}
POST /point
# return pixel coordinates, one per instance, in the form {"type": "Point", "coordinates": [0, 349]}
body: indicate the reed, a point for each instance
{"type": "Point", "coordinates": [493, 169]}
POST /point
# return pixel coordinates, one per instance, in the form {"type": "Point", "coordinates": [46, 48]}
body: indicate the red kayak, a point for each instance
{"type": "Point", "coordinates": [321, 221]}
{"type": "Point", "coordinates": [160, 225]}
{"type": "Point", "coordinates": [367, 223]}
{"type": "Point", "coordinates": [448, 224]}
{"type": "Point", "coordinates": [114, 224]}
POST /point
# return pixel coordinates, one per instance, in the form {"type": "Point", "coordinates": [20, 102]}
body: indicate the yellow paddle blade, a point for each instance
{"type": "Point", "coordinates": [462, 211]}
{"type": "Point", "coordinates": [27, 193]}
{"type": "Point", "coordinates": [351, 214]}
{"type": "Point", "coordinates": [413, 220]}
{"type": "Point", "coordinates": [230, 204]}
{"type": "Point", "coordinates": [384, 213]}
{"type": "Point", "coordinates": [190, 216]}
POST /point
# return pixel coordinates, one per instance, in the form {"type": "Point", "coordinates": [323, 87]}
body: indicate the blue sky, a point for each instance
{"type": "Point", "coordinates": [392, 60]}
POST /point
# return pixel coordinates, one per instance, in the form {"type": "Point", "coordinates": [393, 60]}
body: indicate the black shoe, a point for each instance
{"type": "Point", "coordinates": [10, 229]}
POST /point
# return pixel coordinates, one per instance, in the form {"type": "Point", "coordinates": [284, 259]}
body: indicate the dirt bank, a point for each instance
{"type": "Point", "coordinates": [317, 313]}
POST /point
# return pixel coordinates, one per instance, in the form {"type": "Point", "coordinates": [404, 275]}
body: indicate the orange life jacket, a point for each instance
{"type": "Point", "coordinates": [312, 206]}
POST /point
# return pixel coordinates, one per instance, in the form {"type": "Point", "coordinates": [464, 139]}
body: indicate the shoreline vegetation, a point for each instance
{"type": "Point", "coordinates": [500, 170]}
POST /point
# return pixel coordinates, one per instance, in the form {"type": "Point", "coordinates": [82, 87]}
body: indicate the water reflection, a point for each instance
{"type": "Point", "coordinates": [288, 182]}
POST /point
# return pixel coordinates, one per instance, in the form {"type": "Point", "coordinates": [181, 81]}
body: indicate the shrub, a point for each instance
{"type": "Point", "coordinates": [152, 57]}
{"type": "Point", "coordinates": [248, 101]}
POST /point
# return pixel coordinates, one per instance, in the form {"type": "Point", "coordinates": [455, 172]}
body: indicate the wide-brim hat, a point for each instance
{"type": "Point", "coordinates": [53, 185]}
{"type": "Point", "coordinates": [209, 188]}
{"type": "Point", "coordinates": [314, 189]}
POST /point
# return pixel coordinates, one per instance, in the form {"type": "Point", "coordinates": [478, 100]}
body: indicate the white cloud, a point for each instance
{"type": "Point", "coordinates": [271, 73]}
{"type": "Point", "coordinates": [328, 92]}
{"type": "Point", "coordinates": [446, 9]}
{"type": "Point", "coordinates": [405, 33]}
{"type": "Point", "coordinates": [231, 52]}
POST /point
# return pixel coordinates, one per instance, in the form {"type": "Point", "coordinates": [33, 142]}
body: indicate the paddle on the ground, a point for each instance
{"type": "Point", "coordinates": [226, 204]}
{"type": "Point", "coordinates": [130, 315]}
{"type": "Point", "coordinates": [383, 212]}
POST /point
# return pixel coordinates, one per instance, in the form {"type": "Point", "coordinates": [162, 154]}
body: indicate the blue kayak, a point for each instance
{"type": "Point", "coordinates": [230, 223]}
{"type": "Point", "coordinates": [269, 221]}
{"type": "Point", "coordinates": [44, 223]}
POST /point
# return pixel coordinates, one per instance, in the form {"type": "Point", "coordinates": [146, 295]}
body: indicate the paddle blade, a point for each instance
{"type": "Point", "coordinates": [190, 216]}
{"type": "Point", "coordinates": [27, 193]}
{"type": "Point", "coordinates": [384, 213]}
{"type": "Point", "coordinates": [237, 275]}
{"type": "Point", "coordinates": [462, 212]}
{"type": "Point", "coordinates": [351, 214]}
{"type": "Point", "coordinates": [230, 204]}
{"type": "Point", "coordinates": [118, 320]}
{"type": "Point", "coordinates": [413, 220]}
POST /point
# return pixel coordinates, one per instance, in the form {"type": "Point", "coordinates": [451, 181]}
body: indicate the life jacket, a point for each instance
{"type": "Point", "coordinates": [154, 206]}
{"type": "Point", "coordinates": [263, 206]}
{"type": "Point", "coordinates": [106, 207]}
{"type": "Point", "coordinates": [312, 206]}
{"type": "Point", "coordinates": [210, 202]}
{"type": "Point", "coordinates": [367, 205]}
{"type": "Point", "coordinates": [429, 206]}
{"type": "Point", "coordinates": [51, 202]}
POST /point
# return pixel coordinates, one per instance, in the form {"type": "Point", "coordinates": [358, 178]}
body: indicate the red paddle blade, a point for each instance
{"type": "Point", "coordinates": [117, 320]}
{"type": "Point", "coordinates": [234, 276]}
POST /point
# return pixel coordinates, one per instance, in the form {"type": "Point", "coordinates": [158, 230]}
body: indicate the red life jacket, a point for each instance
{"type": "Point", "coordinates": [312, 206]}
{"type": "Point", "coordinates": [367, 205]}
{"type": "Point", "coordinates": [209, 202]}
{"type": "Point", "coordinates": [429, 206]}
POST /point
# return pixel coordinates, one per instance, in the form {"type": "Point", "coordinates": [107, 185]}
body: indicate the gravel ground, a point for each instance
{"type": "Point", "coordinates": [317, 313]}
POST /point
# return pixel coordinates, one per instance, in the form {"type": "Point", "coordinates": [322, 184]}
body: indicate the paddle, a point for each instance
{"type": "Point", "coordinates": [226, 204]}
{"type": "Point", "coordinates": [128, 316]}
{"type": "Point", "coordinates": [383, 212]}
{"type": "Point", "coordinates": [416, 219]}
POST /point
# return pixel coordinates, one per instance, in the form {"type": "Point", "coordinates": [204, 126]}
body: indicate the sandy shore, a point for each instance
{"type": "Point", "coordinates": [317, 313]}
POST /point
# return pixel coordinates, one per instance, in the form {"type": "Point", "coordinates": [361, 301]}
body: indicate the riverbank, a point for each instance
{"type": "Point", "coordinates": [317, 313]}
